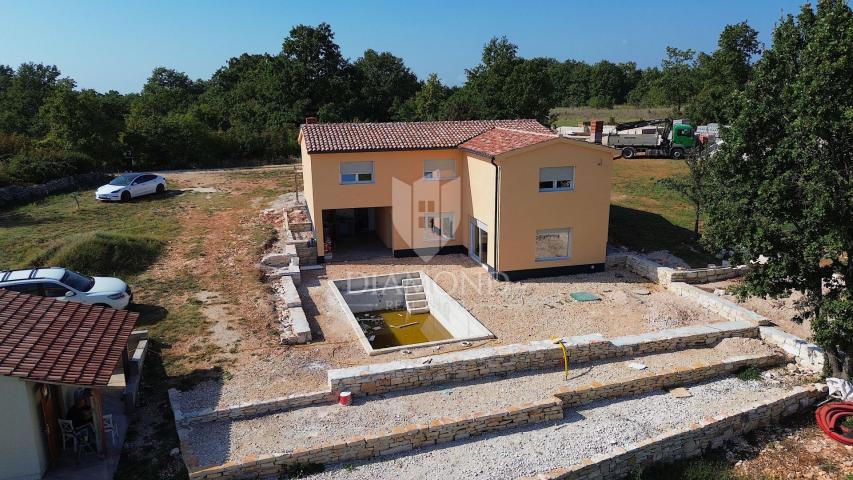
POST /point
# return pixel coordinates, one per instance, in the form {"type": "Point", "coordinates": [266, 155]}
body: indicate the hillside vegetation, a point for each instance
{"type": "Point", "coordinates": [249, 110]}
{"type": "Point", "coordinates": [572, 116]}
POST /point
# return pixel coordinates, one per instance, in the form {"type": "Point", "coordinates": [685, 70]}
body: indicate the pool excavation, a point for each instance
{"type": "Point", "coordinates": [404, 310]}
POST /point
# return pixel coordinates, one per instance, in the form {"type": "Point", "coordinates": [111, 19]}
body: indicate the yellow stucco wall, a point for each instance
{"type": "Point", "coordinates": [478, 198]}
{"type": "Point", "coordinates": [524, 209]}
{"type": "Point", "coordinates": [398, 183]}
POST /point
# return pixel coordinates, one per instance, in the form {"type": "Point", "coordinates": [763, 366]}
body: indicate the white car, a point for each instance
{"type": "Point", "coordinates": [131, 185]}
{"type": "Point", "coordinates": [66, 285]}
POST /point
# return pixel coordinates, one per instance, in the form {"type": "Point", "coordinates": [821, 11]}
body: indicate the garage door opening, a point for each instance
{"type": "Point", "coordinates": [357, 233]}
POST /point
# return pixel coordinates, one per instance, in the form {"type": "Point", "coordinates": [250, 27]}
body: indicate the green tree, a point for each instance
{"type": "Point", "coordinates": [382, 84]}
{"type": "Point", "coordinates": [724, 72]}
{"type": "Point", "coordinates": [677, 81]}
{"type": "Point", "coordinates": [428, 102]}
{"type": "Point", "coordinates": [694, 187]}
{"type": "Point", "coordinates": [22, 94]}
{"type": "Point", "coordinates": [318, 71]}
{"type": "Point", "coordinates": [782, 181]}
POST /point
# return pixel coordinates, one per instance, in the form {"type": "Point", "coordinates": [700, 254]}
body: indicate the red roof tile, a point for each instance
{"type": "Point", "coordinates": [367, 137]}
{"type": "Point", "coordinates": [502, 140]}
{"type": "Point", "coordinates": [43, 339]}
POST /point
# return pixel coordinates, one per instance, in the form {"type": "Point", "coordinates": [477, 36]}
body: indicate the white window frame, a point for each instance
{"type": "Point", "coordinates": [431, 174]}
{"type": "Point", "coordinates": [568, 255]}
{"type": "Point", "coordinates": [554, 187]}
{"type": "Point", "coordinates": [436, 232]}
{"type": "Point", "coordinates": [357, 181]}
{"type": "Point", "coordinates": [452, 234]}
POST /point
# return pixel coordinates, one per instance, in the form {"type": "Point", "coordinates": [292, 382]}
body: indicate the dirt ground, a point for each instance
{"type": "Point", "coordinates": [516, 312]}
{"type": "Point", "coordinates": [210, 271]}
{"type": "Point", "coordinates": [780, 311]}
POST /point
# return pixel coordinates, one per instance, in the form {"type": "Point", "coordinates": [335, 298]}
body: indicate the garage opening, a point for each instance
{"type": "Point", "coordinates": [357, 233]}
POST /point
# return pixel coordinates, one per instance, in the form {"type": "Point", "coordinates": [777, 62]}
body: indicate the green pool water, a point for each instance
{"type": "Point", "coordinates": [393, 328]}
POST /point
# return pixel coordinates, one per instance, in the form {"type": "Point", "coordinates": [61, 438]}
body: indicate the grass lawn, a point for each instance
{"type": "Point", "coordinates": [29, 230]}
{"type": "Point", "coordinates": [645, 216]}
{"type": "Point", "coordinates": [571, 116]}
{"type": "Point", "coordinates": [198, 231]}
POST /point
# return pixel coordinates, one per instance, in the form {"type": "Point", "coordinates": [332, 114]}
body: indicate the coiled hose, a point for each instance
{"type": "Point", "coordinates": [829, 418]}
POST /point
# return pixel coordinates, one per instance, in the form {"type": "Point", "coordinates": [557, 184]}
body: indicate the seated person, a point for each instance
{"type": "Point", "coordinates": [81, 418]}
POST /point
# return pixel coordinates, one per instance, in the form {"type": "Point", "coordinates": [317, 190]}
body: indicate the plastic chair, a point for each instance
{"type": "Point", "coordinates": [68, 433]}
{"type": "Point", "coordinates": [110, 428]}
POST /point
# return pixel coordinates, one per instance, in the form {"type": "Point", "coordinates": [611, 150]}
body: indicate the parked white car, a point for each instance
{"type": "Point", "coordinates": [131, 185]}
{"type": "Point", "coordinates": [66, 285]}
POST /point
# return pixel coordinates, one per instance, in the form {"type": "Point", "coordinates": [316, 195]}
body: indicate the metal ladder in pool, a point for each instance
{"type": "Point", "coordinates": [416, 301]}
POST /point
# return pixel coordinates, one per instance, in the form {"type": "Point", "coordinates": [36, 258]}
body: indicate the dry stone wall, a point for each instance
{"type": "Point", "coordinates": [689, 441]}
{"type": "Point", "coordinates": [572, 397]}
{"type": "Point", "coordinates": [14, 195]}
{"type": "Point", "coordinates": [481, 362]}
{"type": "Point", "coordinates": [400, 439]}
{"type": "Point", "coordinates": [444, 430]}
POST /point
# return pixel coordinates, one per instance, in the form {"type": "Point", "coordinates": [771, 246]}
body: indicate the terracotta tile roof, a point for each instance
{"type": "Point", "coordinates": [367, 137]}
{"type": "Point", "coordinates": [501, 140]}
{"type": "Point", "coordinates": [43, 339]}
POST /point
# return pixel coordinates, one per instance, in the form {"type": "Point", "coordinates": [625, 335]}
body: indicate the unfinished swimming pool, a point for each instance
{"type": "Point", "coordinates": [404, 310]}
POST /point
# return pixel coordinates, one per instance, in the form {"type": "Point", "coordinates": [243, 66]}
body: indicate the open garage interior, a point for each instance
{"type": "Point", "coordinates": [357, 233]}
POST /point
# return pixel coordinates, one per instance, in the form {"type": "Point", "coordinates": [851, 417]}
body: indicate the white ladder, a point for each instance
{"type": "Point", "coordinates": [416, 301]}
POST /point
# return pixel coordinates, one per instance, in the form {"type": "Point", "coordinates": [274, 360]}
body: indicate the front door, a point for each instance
{"type": "Point", "coordinates": [50, 413]}
{"type": "Point", "coordinates": [478, 242]}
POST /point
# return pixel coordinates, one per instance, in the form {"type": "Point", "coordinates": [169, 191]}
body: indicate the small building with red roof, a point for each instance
{"type": "Point", "coordinates": [511, 194]}
{"type": "Point", "coordinates": [64, 368]}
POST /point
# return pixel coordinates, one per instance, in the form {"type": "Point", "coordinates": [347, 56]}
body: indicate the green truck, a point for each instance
{"type": "Point", "coordinates": [663, 139]}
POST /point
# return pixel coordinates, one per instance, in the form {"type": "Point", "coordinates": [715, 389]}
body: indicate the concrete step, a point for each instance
{"type": "Point", "coordinates": [407, 282]}
{"type": "Point", "coordinates": [414, 289]}
{"type": "Point", "coordinates": [417, 311]}
{"type": "Point", "coordinates": [415, 296]}
{"type": "Point", "coordinates": [410, 304]}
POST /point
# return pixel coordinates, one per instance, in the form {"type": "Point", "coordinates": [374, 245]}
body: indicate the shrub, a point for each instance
{"type": "Point", "coordinates": [38, 165]}
{"type": "Point", "coordinates": [749, 373]}
{"type": "Point", "coordinates": [101, 253]}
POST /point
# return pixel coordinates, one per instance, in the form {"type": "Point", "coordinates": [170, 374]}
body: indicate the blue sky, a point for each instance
{"type": "Point", "coordinates": [116, 44]}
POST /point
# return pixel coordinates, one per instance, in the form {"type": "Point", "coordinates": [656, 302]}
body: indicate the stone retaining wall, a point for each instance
{"type": "Point", "coordinates": [476, 363]}
{"type": "Point", "coordinates": [807, 355]}
{"type": "Point", "coordinates": [721, 306]}
{"type": "Point", "coordinates": [664, 275]}
{"type": "Point", "coordinates": [249, 409]}
{"type": "Point", "coordinates": [688, 441]}
{"type": "Point", "coordinates": [443, 430]}
{"type": "Point", "coordinates": [400, 439]}
{"type": "Point", "coordinates": [13, 195]}
{"type": "Point", "coordinates": [572, 397]}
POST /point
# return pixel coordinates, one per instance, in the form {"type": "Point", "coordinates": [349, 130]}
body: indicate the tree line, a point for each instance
{"type": "Point", "coordinates": [250, 108]}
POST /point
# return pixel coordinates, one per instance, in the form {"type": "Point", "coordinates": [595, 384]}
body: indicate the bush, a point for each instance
{"type": "Point", "coordinates": [39, 165]}
{"type": "Point", "coordinates": [101, 253]}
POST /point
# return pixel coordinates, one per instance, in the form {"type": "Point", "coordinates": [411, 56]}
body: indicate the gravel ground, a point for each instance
{"type": "Point", "coordinates": [516, 312]}
{"type": "Point", "coordinates": [216, 443]}
{"type": "Point", "coordinates": [594, 429]}
{"type": "Point", "coordinates": [540, 308]}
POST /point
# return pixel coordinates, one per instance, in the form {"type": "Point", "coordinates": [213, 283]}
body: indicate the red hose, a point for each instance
{"type": "Point", "coordinates": [829, 418]}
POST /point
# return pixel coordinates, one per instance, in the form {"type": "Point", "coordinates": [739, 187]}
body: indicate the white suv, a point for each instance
{"type": "Point", "coordinates": [66, 285]}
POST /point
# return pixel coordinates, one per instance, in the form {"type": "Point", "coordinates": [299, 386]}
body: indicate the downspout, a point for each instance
{"type": "Point", "coordinates": [497, 206]}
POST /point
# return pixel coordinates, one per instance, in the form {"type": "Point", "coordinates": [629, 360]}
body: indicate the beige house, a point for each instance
{"type": "Point", "coordinates": [511, 194]}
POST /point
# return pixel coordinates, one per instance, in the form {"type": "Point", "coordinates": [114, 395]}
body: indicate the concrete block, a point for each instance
{"type": "Point", "coordinates": [289, 295]}
{"type": "Point", "coordinates": [300, 325]}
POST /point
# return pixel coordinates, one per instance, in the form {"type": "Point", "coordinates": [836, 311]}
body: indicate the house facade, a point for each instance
{"type": "Point", "coordinates": [512, 195]}
{"type": "Point", "coordinates": [55, 355]}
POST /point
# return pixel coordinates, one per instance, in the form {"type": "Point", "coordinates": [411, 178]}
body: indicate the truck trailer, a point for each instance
{"type": "Point", "coordinates": [673, 140]}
